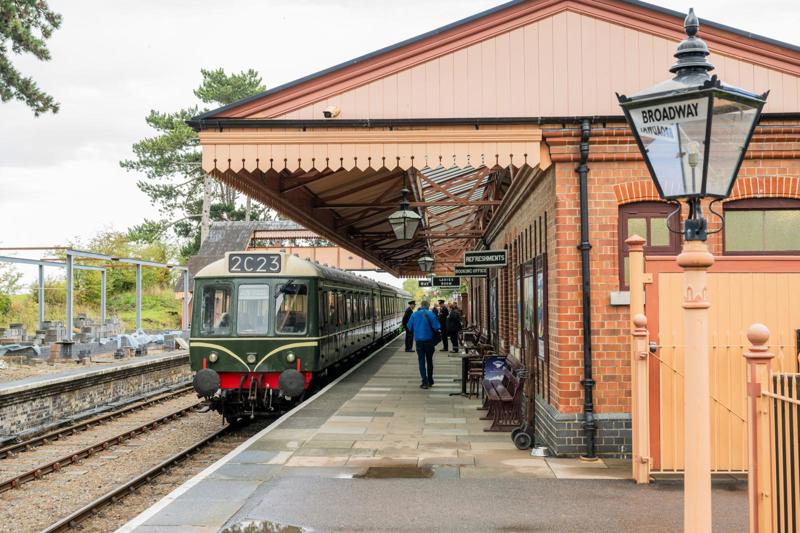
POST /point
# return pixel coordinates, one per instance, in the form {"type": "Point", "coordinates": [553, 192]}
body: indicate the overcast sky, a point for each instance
{"type": "Point", "coordinates": [112, 62]}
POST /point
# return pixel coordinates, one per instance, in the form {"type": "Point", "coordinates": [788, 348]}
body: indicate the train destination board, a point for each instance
{"type": "Point", "coordinates": [446, 281]}
{"type": "Point", "coordinates": [485, 258]}
{"type": "Point", "coordinates": [254, 263]}
{"type": "Point", "coordinates": [471, 272]}
{"type": "Point", "coordinates": [424, 283]}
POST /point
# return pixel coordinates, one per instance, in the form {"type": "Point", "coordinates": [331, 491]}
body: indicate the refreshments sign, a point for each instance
{"type": "Point", "coordinates": [485, 258]}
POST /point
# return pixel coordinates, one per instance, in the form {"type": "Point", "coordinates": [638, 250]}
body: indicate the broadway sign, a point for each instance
{"type": "Point", "coordinates": [485, 258]}
{"type": "Point", "coordinates": [446, 281]}
{"type": "Point", "coordinates": [471, 272]}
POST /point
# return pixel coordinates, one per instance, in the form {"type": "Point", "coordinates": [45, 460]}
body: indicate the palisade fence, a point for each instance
{"type": "Point", "coordinates": [774, 443]}
{"type": "Point", "coordinates": [785, 422]}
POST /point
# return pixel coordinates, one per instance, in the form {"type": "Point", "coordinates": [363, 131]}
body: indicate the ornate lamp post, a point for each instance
{"type": "Point", "coordinates": [693, 131]}
{"type": "Point", "coordinates": [425, 263]}
{"type": "Point", "coordinates": [404, 222]}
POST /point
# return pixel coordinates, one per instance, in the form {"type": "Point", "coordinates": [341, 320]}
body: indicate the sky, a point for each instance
{"type": "Point", "coordinates": [113, 62]}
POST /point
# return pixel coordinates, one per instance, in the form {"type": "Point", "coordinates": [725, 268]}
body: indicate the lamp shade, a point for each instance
{"type": "Point", "coordinates": [425, 263]}
{"type": "Point", "coordinates": [404, 222]}
{"type": "Point", "coordinates": [693, 130]}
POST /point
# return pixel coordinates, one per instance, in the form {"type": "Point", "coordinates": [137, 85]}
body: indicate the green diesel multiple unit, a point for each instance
{"type": "Point", "coordinates": [265, 325]}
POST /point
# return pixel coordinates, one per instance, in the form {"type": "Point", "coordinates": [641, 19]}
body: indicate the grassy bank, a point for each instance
{"type": "Point", "coordinates": [160, 310]}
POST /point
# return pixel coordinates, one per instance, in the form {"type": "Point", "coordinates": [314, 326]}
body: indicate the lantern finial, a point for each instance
{"type": "Point", "coordinates": [691, 24]}
{"type": "Point", "coordinates": [692, 51]}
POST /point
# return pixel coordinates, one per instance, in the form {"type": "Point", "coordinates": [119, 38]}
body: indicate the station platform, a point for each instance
{"type": "Point", "coordinates": [374, 452]}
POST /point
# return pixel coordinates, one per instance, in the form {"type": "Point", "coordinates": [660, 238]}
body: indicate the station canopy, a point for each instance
{"type": "Point", "coordinates": [456, 116]}
{"type": "Point", "coordinates": [343, 185]}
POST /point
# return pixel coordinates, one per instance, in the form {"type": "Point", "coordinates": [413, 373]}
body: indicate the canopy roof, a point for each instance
{"type": "Point", "coordinates": [455, 115]}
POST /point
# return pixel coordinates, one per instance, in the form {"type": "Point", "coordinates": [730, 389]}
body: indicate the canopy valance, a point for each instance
{"type": "Point", "coordinates": [319, 149]}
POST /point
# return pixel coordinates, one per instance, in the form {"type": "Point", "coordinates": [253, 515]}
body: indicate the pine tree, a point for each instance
{"type": "Point", "coordinates": [25, 25]}
{"type": "Point", "coordinates": [170, 164]}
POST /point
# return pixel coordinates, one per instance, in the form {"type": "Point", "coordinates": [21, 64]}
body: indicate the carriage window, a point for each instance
{"type": "Point", "coordinates": [291, 308]}
{"type": "Point", "coordinates": [331, 309]}
{"type": "Point", "coordinates": [252, 311]}
{"type": "Point", "coordinates": [349, 308]}
{"type": "Point", "coordinates": [216, 319]}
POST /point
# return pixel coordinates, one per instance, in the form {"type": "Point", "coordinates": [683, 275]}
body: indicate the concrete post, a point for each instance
{"type": "Point", "coordinates": [138, 297]}
{"type": "Point", "coordinates": [41, 296]}
{"type": "Point", "coordinates": [695, 259]}
{"type": "Point", "coordinates": [103, 297]}
{"type": "Point", "coordinates": [70, 281]}
{"type": "Point", "coordinates": [186, 300]}
{"type": "Point", "coordinates": [640, 464]}
{"type": "Point", "coordinates": [759, 480]}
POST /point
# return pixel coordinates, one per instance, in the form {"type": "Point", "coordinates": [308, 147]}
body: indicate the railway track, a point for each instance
{"type": "Point", "coordinates": [12, 450]}
{"type": "Point", "coordinates": [119, 492]}
{"type": "Point", "coordinates": [56, 465]}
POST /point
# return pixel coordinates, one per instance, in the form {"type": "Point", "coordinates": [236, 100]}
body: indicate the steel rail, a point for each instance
{"type": "Point", "coordinates": [12, 449]}
{"type": "Point", "coordinates": [56, 465]}
{"type": "Point", "coordinates": [129, 487]}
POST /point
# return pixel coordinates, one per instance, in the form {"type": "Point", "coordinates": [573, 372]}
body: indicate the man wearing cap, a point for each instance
{"type": "Point", "coordinates": [423, 325]}
{"type": "Point", "coordinates": [443, 312]}
{"type": "Point", "coordinates": [406, 318]}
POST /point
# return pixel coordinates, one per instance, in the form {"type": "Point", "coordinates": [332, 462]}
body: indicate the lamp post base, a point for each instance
{"type": "Point", "coordinates": [695, 259]}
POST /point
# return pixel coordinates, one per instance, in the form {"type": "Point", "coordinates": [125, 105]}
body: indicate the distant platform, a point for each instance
{"type": "Point", "coordinates": [374, 452]}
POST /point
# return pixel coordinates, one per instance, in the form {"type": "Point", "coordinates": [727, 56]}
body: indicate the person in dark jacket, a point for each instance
{"type": "Point", "coordinates": [443, 312]}
{"type": "Point", "coordinates": [423, 324]}
{"type": "Point", "coordinates": [406, 318]}
{"type": "Point", "coordinates": [454, 325]}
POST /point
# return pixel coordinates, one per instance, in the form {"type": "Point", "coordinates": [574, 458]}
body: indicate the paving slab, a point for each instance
{"type": "Point", "coordinates": [342, 462]}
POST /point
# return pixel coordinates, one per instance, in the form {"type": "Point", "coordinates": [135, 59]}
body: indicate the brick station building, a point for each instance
{"type": "Point", "coordinates": [487, 122]}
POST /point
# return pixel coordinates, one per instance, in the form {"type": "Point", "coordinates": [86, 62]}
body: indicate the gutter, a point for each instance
{"type": "Point", "coordinates": [589, 423]}
{"type": "Point", "coordinates": [220, 124]}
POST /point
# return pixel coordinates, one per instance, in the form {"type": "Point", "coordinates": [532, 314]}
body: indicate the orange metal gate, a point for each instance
{"type": "Point", "coordinates": [742, 290]}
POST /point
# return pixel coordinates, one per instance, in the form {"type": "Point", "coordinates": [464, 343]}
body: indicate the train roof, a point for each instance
{"type": "Point", "coordinates": [293, 266]}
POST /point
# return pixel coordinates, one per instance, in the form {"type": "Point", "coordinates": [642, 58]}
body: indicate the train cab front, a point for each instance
{"type": "Point", "coordinates": [251, 348]}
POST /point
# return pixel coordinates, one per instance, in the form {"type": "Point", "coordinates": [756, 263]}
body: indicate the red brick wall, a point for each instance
{"type": "Point", "coordinates": [616, 176]}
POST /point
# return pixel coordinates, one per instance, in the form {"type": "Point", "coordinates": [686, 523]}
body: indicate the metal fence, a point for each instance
{"type": "Point", "coordinates": [785, 444]}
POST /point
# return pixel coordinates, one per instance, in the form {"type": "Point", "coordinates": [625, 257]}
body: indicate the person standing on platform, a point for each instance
{"type": "Point", "coordinates": [406, 318]}
{"type": "Point", "coordinates": [424, 325]}
{"type": "Point", "coordinates": [443, 312]}
{"type": "Point", "coordinates": [453, 325]}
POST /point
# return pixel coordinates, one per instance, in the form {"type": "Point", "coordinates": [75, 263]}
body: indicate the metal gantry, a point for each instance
{"type": "Point", "coordinates": [70, 267]}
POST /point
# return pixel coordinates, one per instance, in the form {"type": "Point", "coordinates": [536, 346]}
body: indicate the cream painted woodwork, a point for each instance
{"type": "Point", "coordinates": [567, 64]}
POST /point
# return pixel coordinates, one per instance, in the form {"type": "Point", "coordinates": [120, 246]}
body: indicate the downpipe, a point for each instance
{"type": "Point", "coordinates": [589, 422]}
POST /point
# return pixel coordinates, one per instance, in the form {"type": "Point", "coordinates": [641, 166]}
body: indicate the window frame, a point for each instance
{"type": "Point", "coordinates": [647, 210]}
{"type": "Point", "coordinates": [758, 204]}
{"type": "Point", "coordinates": [216, 285]}
{"type": "Point", "coordinates": [270, 312]}
{"type": "Point", "coordinates": [305, 331]}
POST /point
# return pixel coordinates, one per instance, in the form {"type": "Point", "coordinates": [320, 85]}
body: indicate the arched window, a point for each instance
{"type": "Point", "coordinates": [765, 226]}
{"type": "Point", "coordinates": [649, 221]}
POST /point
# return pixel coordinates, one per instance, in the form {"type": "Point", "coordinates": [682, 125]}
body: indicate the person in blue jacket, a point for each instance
{"type": "Point", "coordinates": [423, 324]}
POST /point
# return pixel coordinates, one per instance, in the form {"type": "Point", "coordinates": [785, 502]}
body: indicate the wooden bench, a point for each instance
{"type": "Point", "coordinates": [503, 401]}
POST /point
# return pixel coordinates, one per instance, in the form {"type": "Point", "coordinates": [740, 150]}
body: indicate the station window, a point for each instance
{"type": "Point", "coordinates": [216, 316]}
{"type": "Point", "coordinates": [291, 308]}
{"type": "Point", "coordinates": [252, 311]}
{"type": "Point", "coordinates": [649, 221]}
{"type": "Point", "coordinates": [762, 226]}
